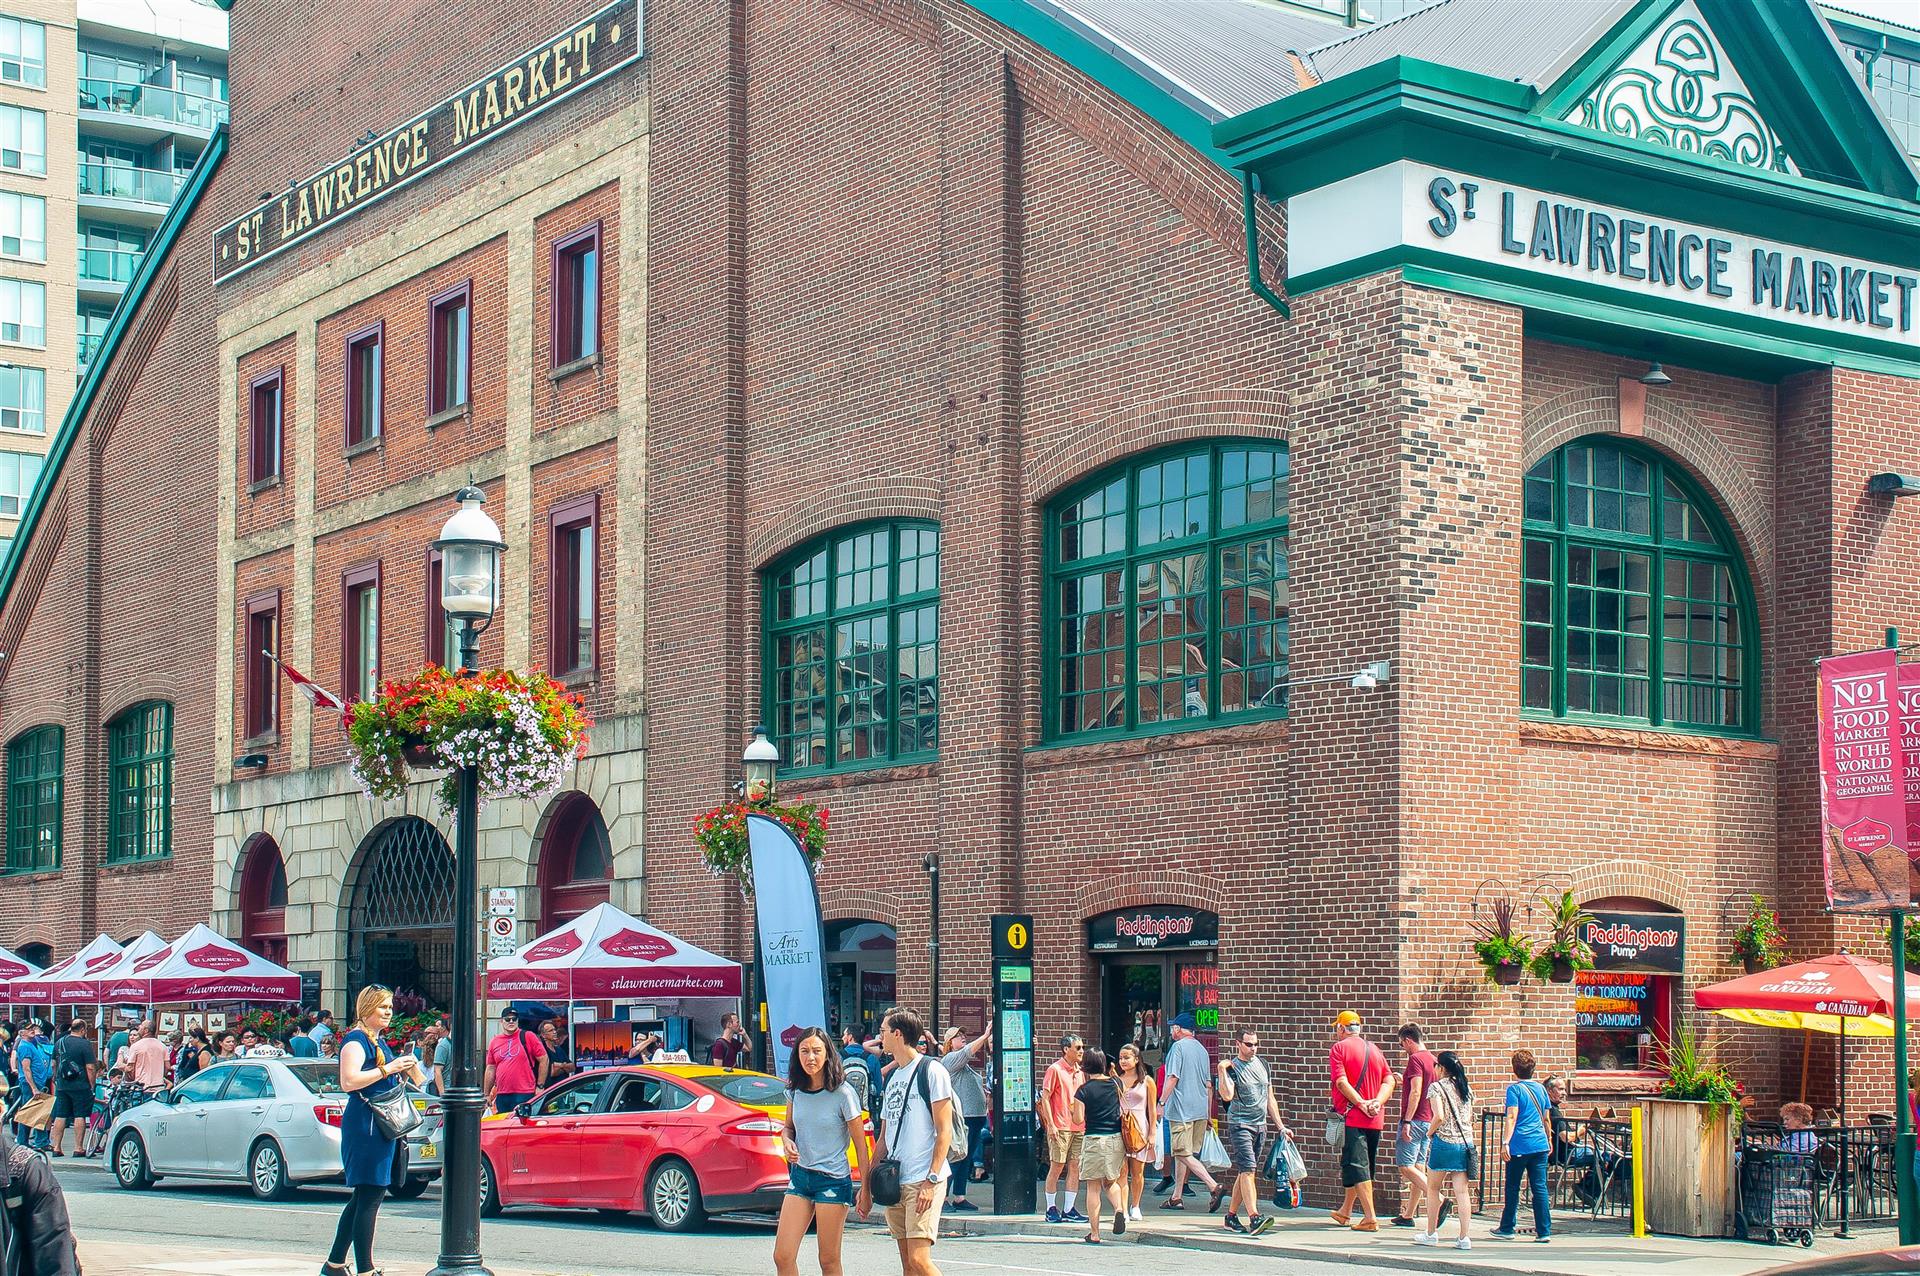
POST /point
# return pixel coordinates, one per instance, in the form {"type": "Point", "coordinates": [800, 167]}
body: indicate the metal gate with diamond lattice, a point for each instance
{"type": "Point", "coordinates": [400, 931]}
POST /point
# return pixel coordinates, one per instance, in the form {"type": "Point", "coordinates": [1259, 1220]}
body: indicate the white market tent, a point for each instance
{"type": "Point", "coordinates": [202, 966]}
{"type": "Point", "coordinates": [139, 950]}
{"type": "Point", "coordinates": [46, 988]}
{"type": "Point", "coordinates": [605, 954]}
{"type": "Point", "coordinates": [13, 966]}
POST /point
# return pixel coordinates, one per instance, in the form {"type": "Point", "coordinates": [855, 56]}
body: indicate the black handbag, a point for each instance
{"type": "Point", "coordinates": [393, 1112]}
{"type": "Point", "coordinates": [883, 1181]}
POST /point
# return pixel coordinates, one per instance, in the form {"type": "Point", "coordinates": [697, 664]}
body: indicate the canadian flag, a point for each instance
{"type": "Point", "coordinates": [316, 694]}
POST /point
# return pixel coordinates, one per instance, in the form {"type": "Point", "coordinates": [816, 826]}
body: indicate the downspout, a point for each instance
{"type": "Point", "coordinates": [1254, 279]}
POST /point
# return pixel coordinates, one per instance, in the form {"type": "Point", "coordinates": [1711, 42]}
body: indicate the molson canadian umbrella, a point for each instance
{"type": "Point", "coordinates": [1840, 994]}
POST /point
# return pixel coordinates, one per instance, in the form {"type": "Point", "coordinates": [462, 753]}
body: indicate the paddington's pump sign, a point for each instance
{"type": "Point", "coordinates": [556, 68]}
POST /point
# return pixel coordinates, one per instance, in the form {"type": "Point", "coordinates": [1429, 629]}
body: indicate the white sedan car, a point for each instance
{"type": "Point", "coordinates": [270, 1123]}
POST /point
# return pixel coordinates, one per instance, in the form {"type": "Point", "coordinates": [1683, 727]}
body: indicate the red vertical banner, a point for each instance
{"type": "Point", "coordinates": [1907, 697]}
{"type": "Point", "coordinates": [1863, 806]}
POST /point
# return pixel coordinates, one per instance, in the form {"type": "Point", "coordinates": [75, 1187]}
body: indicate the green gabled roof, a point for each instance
{"type": "Point", "coordinates": [130, 302]}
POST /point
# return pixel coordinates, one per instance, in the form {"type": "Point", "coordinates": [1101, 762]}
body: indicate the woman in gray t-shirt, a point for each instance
{"type": "Point", "coordinates": [823, 1116]}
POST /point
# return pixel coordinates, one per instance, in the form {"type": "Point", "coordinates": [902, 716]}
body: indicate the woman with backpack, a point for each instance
{"type": "Point", "coordinates": [1529, 1135]}
{"type": "Point", "coordinates": [823, 1116]}
{"type": "Point", "coordinates": [1103, 1154]}
{"type": "Point", "coordinates": [1450, 1153]}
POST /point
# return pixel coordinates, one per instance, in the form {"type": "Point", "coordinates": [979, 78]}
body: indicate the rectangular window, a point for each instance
{"type": "Point", "coordinates": [23, 399]}
{"type": "Point", "coordinates": [360, 632]}
{"type": "Point", "coordinates": [19, 471]}
{"type": "Point", "coordinates": [265, 415]}
{"type": "Point", "coordinates": [443, 631]}
{"type": "Point", "coordinates": [91, 324]}
{"type": "Point", "coordinates": [364, 385]}
{"type": "Point", "coordinates": [23, 53]}
{"type": "Point", "coordinates": [23, 226]}
{"type": "Point", "coordinates": [140, 784]}
{"type": "Point", "coordinates": [576, 296]}
{"type": "Point", "coordinates": [35, 780]}
{"type": "Point", "coordinates": [1619, 1019]}
{"type": "Point", "coordinates": [574, 589]}
{"type": "Point", "coordinates": [449, 325]}
{"type": "Point", "coordinates": [23, 313]}
{"type": "Point", "coordinates": [110, 254]}
{"type": "Point", "coordinates": [23, 139]}
{"type": "Point", "coordinates": [262, 675]}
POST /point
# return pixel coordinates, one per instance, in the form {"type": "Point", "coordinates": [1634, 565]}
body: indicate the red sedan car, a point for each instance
{"type": "Point", "coordinates": [673, 1141]}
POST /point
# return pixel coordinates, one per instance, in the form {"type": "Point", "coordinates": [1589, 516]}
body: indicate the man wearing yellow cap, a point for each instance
{"type": "Point", "coordinates": [1362, 1084]}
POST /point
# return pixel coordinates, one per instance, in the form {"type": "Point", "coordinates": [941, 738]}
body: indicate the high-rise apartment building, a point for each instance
{"type": "Point", "coordinates": [105, 105]}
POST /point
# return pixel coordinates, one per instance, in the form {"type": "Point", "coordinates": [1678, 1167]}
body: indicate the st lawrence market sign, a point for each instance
{"type": "Point", "coordinates": [556, 68]}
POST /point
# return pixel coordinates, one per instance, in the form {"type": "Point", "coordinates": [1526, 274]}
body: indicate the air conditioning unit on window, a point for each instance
{"type": "Point", "coordinates": [9, 418]}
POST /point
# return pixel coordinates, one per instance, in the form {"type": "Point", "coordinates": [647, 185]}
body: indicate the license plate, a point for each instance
{"type": "Point", "coordinates": [428, 1151]}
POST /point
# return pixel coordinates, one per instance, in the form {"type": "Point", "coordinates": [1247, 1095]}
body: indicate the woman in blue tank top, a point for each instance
{"type": "Point", "coordinates": [368, 1069]}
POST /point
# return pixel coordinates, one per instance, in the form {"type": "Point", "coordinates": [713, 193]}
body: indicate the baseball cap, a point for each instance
{"type": "Point", "coordinates": [1346, 1019]}
{"type": "Point", "coordinates": [1184, 1020]}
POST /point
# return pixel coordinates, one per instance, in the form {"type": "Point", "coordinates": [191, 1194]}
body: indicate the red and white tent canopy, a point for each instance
{"type": "Point", "coordinates": [111, 984]}
{"type": "Point", "coordinates": [13, 966]}
{"type": "Point", "coordinates": [54, 984]}
{"type": "Point", "coordinates": [605, 953]}
{"type": "Point", "coordinates": [203, 966]}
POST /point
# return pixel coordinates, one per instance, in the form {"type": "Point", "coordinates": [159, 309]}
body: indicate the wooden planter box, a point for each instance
{"type": "Point", "coordinates": [1689, 1170]}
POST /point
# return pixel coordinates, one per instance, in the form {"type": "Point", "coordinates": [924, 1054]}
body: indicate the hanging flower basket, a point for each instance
{"type": "Point", "coordinates": [721, 834]}
{"type": "Point", "coordinates": [523, 733]}
{"type": "Point", "coordinates": [1760, 944]}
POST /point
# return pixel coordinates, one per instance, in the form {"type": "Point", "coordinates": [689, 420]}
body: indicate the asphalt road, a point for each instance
{"type": "Point", "coordinates": [175, 1220]}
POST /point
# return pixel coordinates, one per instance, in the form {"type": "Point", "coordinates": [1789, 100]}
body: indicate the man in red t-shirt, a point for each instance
{"type": "Point", "coordinates": [1362, 1084]}
{"type": "Point", "coordinates": [516, 1064]}
{"type": "Point", "coordinates": [1411, 1145]}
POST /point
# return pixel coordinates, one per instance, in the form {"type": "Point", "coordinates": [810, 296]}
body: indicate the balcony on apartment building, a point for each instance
{"type": "Point", "coordinates": [124, 194]}
{"type": "Point", "coordinates": [146, 113]}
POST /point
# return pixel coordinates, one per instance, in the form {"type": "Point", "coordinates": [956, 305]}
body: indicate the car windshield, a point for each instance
{"type": "Point", "coordinates": [323, 1078]}
{"type": "Point", "coordinates": [754, 1092]}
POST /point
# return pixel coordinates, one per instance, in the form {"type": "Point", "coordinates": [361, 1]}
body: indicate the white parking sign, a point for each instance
{"type": "Point", "coordinates": [501, 902]}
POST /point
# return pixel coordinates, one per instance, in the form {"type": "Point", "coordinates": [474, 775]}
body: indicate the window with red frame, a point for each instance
{"type": "Point", "coordinates": [574, 589]}
{"type": "Point", "coordinates": [263, 676]}
{"type": "Point", "coordinates": [576, 296]}
{"type": "Point", "coordinates": [443, 631]}
{"type": "Point", "coordinates": [365, 377]}
{"type": "Point", "coordinates": [449, 324]}
{"type": "Point", "coordinates": [265, 416]}
{"type": "Point", "coordinates": [360, 632]}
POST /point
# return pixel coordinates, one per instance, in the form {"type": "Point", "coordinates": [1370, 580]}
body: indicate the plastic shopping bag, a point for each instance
{"type": "Point", "coordinates": [1213, 1153]}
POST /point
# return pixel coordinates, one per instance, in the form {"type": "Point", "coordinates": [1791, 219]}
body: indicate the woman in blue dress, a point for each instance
{"type": "Point", "coordinates": [367, 1069]}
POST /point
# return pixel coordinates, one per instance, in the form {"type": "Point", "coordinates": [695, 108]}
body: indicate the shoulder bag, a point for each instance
{"type": "Point", "coordinates": [1132, 1137]}
{"type": "Point", "coordinates": [1453, 1121]}
{"type": "Point", "coordinates": [394, 1115]}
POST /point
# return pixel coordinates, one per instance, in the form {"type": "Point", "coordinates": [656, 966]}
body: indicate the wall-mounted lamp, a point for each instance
{"type": "Point", "coordinates": [248, 761]}
{"type": "Point", "coordinates": [1365, 678]}
{"type": "Point", "coordinates": [1655, 376]}
{"type": "Point", "coordinates": [1894, 485]}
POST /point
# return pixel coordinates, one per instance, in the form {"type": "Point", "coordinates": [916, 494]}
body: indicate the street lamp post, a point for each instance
{"type": "Point", "coordinates": [470, 551]}
{"type": "Point", "coordinates": [932, 864]}
{"type": "Point", "coordinates": [759, 770]}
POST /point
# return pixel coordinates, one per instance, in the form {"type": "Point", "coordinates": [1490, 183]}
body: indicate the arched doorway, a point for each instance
{"type": "Point", "coordinates": [860, 956]}
{"type": "Point", "coordinates": [576, 861]}
{"type": "Point", "coordinates": [1155, 961]}
{"type": "Point", "coordinates": [263, 900]}
{"type": "Point", "coordinates": [40, 955]}
{"type": "Point", "coordinates": [400, 931]}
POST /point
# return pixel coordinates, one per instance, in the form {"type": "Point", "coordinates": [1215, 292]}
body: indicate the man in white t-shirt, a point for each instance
{"type": "Point", "coordinates": [917, 1135]}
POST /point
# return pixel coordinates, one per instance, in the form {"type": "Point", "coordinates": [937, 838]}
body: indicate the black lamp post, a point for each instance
{"type": "Point", "coordinates": [759, 772]}
{"type": "Point", "coordinates": [470, 551]}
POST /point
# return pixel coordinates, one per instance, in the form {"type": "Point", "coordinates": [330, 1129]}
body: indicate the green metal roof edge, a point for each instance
{"type": "Point", "coordinates": [1106, 70]}
{"type": "Point", "coordinates": [136, 294]}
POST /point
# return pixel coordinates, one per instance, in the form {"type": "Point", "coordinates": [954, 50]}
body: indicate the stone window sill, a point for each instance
{"type": "Point", "coordinates": [264, 485]}
{"type": "Point", "coordinates": [566, 370]}
{"type": "Point", "coordinates": [374, 444]}
{"type": "Point", "coordinates": [458, 412]}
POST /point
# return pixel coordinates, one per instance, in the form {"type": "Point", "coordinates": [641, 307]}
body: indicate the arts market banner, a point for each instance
{"type": "Point", "coordinates": [786, 911]}
{"type": "Point", "coordinates": [1863, 807]}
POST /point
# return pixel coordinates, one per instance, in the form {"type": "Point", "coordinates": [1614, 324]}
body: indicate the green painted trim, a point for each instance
{"type": "Point", "coordinates": [157, 253]}
{"type": "Point", "coordinates": [1106, 70]}
{"type": "Point", "coordinates": [1602, 57]}
{"type": "Point", "coordinates": [124, 822]}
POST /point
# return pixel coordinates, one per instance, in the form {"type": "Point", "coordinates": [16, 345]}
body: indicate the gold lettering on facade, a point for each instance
{"type": "Point", "coordinates": [537, 88]}
{"type": "Point", "coordinates": [466, 117]}
{"type": "Point", "coordinates": [419, 142]}
{"type": "Point", "coordinates": [361, 163]}
{"type": "Point", "coordinates": [514, 79]}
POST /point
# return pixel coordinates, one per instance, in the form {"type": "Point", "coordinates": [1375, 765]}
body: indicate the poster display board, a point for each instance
{"type": "Point", "coordinates": [1863, 813]}
{"type": "Point", "coordinates": [1013, 1165]}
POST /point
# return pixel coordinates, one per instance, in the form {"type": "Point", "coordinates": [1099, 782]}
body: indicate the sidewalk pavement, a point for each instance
{"type": "Point", "coordinates": [103, 1258]}
{"type": "Point", "coordinates": [1579, 1247]}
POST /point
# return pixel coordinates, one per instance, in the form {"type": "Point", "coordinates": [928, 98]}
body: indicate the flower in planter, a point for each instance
{"type": "Point", "coordinates": [522, 732]}
{"type": "Point", "coordinates": [1564, 947]}
{"type": "Point", "coordinates": [721, 834]}
{"type": "Point", "coordinates": [1502, 953]}
{"type": "Point", "coordinates": [1760, 941]}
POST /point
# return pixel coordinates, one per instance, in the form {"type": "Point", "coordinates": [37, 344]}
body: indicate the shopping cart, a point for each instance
{"type": "Point", "coordinates": [1777, 1196]}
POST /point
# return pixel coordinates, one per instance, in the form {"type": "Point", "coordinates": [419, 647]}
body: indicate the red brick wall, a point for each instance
{"type": "Point", "coordinates": [584, 392]}
{"type": "Point", "coordinates": [271, 505]}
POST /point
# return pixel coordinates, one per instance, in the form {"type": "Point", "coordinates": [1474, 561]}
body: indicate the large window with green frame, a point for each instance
{"type": "Point", "coordinates": [35, 788]}
{"type": "Point", "coordinates": [140, 784]}
{"type": "Point", "coordinates": [1166, 600]}
{"type": "Point", "coordinates": [852, 648]}
{"type": "Point", "coordinates": [1634, 603]}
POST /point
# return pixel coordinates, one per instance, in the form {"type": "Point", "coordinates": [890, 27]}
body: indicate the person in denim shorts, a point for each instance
{"type": "Point", "coordinates": [823, 1116]}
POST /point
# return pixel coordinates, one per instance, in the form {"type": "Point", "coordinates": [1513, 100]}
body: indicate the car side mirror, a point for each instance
{"type": "Point", "coordinates": [523, 1110]}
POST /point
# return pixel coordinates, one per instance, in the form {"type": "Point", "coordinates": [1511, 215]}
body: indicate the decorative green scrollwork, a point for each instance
{"type": "Point", "coordinates": [1677, 90]}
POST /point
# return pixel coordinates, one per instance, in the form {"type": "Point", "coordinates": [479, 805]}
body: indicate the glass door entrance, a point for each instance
{"type": "Point", "coordinates": [1142, 992]}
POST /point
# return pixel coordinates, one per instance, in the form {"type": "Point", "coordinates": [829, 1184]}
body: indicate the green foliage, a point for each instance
{"type": "Point", "coordinates": [1694, 1074]}
{"type": "Point", "coordinates": [1565, 917]}
{"type": "Point", "coordinates": [1761, 940]}
{"type": "Point", "coordinates": [1497, 944]}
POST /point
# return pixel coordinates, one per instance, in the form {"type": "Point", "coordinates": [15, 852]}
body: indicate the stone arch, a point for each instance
{"type": "Point", "coordinates": [898, 497]}
{"type": "Point", "coordinates": [1243, 413]}
{"type": "Point", "coordinates": [1136, 890]}
{"type": "Point", "coordinates": [842, 902]}
{"type": "Point", "coordinates": [263, 898]}
{"type": "Point", "coordinates": [398, 892]}
{"type": "Point", "coordinates": [1637, 879]}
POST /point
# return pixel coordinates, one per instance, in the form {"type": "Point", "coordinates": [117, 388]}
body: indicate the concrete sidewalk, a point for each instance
{"type": "Point", "coordinates": [1579, 1246]}
{"type": "Point", "coordinates": [105, 1258]}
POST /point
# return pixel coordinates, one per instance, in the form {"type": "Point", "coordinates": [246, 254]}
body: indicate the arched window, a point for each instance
{"type": "Point", "coordinates": [35, 787]}
{"type": "Point", "coordinates": [1631, 586]}
{"type": "Point", "coordinates": [851, 654]}
{"type": "Point", "coordinates": [576, 862]}
{"type": "Point", "coordinates": [263, 900]}
{"type": "Point", "coordinates": [140, 784]}
{"type": "Point", "coordinates": [1167, 593]}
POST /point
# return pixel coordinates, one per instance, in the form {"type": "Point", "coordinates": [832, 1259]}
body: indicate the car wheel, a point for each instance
{"type": "Point", "coordinates": [267, 1171]}
{"type": "Point", "coordinates": [130, 1168]}
{"type": "Point", "coordinates": [673, 1198]}
{"type": "Point", "coordinates": [489, 1191]}
{"type": "Point", "coordinates": [409, 1187]}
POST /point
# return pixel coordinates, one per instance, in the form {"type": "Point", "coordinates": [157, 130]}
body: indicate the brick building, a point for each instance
{"type": "Point", "coordinates": [933, 417]}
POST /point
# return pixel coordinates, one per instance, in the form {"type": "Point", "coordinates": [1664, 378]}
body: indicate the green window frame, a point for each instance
{"type": "Point", "coordinates": [1167, 593]}
{"type": "Point", "coordinates": [140, 784]}
{"type": "Point", "coordinates": [1635, 604]}
{"type": "Point", "coordinates": [36, 790]}
{"type": "Point", "coordinates": [850, 658]}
